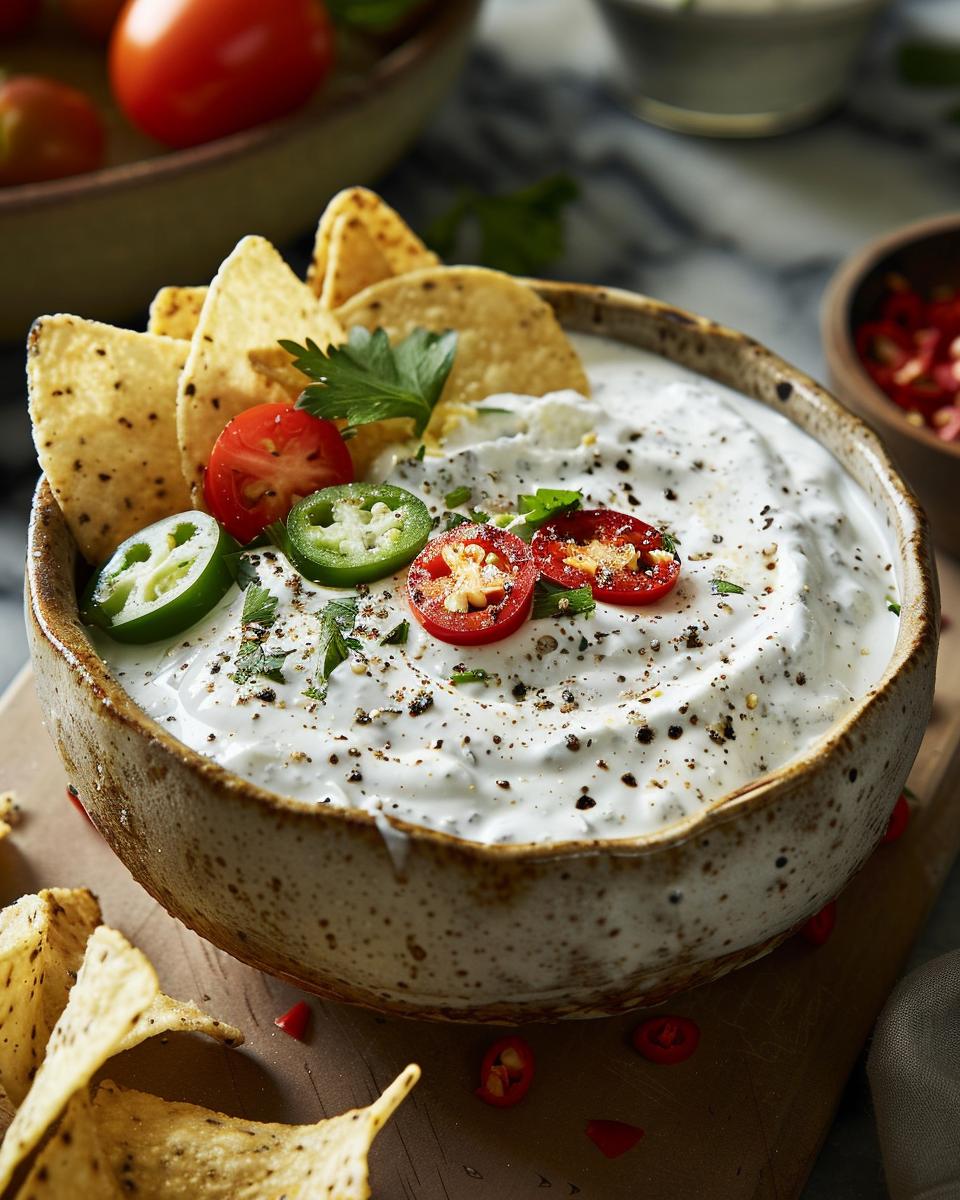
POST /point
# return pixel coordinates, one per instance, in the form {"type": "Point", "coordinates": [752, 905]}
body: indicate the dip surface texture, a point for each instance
{"type": "Point", "coordinates": [608, 726]}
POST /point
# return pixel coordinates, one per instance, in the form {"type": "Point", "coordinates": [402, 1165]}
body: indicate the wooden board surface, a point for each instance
{"type": "Point", "coordinates": [742, 1120]}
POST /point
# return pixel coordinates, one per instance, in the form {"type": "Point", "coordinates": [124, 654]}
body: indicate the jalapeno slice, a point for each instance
{"type": "Point", "coordinates": [356, 532]}
{"type": "Point", "coordinates": [161, 580]}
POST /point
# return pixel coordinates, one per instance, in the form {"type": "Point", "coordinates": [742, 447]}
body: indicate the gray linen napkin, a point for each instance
{"type": "Point", "coordinates": [914, 1070]}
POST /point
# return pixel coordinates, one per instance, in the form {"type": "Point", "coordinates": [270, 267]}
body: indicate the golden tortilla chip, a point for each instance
{"type": "Point", "coordinates": [103, 406]}
{"type": "Point", "coordinates": [115, 986]}
{"type": "Point", "coordinates": [354, 261]}
{"type": "Point", "coordinates": [42, 941]}
{"type": "Point", "coordinates": [8, 812]}
{"type": "Point", "coordinates": [175, 311]}
{"type": "Point", "coordinates": [166, 1015]}
{"type": "Point", "coordinates": [254, 300]}
{"type": "Point", "coordinates": [394, 239]}
{"type": "Point", "coordinates": [276, 364]}
{"type": "Point", "coordinates": [183, 1152]}
{"type": "Point", "coordinates": [72, 1165]}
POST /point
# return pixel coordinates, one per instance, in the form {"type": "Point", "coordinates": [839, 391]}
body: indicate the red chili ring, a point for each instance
{"type": "Point", "coordinates": [667, 1040]}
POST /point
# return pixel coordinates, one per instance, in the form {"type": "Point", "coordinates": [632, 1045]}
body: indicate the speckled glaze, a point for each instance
{"type": "Point", "coordinates": [439, 928]}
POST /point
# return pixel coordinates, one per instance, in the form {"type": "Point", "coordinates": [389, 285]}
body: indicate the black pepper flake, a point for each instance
{"type": "Point", "coordinates": [519, 691]}
{"type": "Point", "coordinates": [669, 494]}
{"type": "Point", "coordinates": [675, 731]}
{"type": "Point", "coordinates": [645, 735]}
{"type": "Point", "coordinates": [622, 464]}
{"type": "Point", "coordinates": [585, 802]}
{"type": "Point", "coordinates": [354, 776]}
{"type": "Point", "coordinates": [800, 679]}
{"type": "Point", "coordinates": [572, 741]}
{"type": "Point", "coordinates": [629, 779]}
{"type": "Point", "coordinates": [503, 783]}
{"type": "Point", "coordinates": [362, 717]}
{"type": "Point", "coordinates": [568, 697]}
{"type": "Point", "coordinates": [419, 704]}
{"type": "Point", "coordinates": [693, 638]}
{"type": "Point", "coordinates": [675, 897]}
{"type": "Point", "coordinates": [781, 861]}
{"type": "Point", "coordinates": [267, 694]}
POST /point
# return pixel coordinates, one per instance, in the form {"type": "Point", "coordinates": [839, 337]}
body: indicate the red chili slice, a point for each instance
{"type": "Point", "coordinates": [620, 557]}
{"type": "Point", "coordinates": [819, 927]}
{"type": "Point", "coordinates": [884, 343]}
{"type": "Point", "coordinates": [295, 1021]}
{"type": "Point", "coordinates": [899, 820]}
{"type": "Point", "coordinates": [667, 1040]}
{"type": "Point", "coordinates": [613, 1138]}
{"type": "Point", "coordinates": [506, 1072]}
{"type": "Point", "coordinates": [74, 797]}
{"type": "Point", "coordinates": [471, 585]}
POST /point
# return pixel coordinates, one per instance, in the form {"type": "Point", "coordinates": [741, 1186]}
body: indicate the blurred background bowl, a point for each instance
{"type": "Point", "coordinates": [101, 244]}
{"type": "Point", "coordinates": [927, 253]}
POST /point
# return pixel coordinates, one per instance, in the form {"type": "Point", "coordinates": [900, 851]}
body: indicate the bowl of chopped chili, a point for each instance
{"type": "Point", "coordinates": [891, 333]}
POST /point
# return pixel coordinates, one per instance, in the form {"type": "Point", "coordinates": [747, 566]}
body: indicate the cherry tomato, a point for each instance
{"type": "Point", "coordinates": [188, 71]}
{"type": "Point", "coordinates": [506, 1073]}
{"type": "Point", "coordinates": [899, 820]}
{"type": "Point", "coordinates": [17, 16]}
{"type": "Point", "coordinates": [613, 1138]}
{"type": "Point", "coordinates": [265, 460]}
{"type": "Point", "coordinates": [620, 557]}
{"type": "Point", "coordinates": [819, 927]}
{"type": "Point", "coordinates": [47, 131]}
{"type": "Point", "coordinates": [95, 18]}
{"type": "Point", "coordinates": [667, 1040]}
{"type": "Point", "coordinates": [471, 585]}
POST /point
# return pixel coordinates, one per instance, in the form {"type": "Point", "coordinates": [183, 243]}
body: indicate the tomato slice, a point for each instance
{"type": "Point", "coordinates": [819, 927]}
{"type": "Point", "coordinates": [621, 558]}
{"type": "Point", "coordinates": [265, 460]}
{"type": "Point", "coordinates": [899, 820]}
{"type": "Point", "coordinates": [471, 585]}
{"type": "Point", "coordinates": [506, 1072]}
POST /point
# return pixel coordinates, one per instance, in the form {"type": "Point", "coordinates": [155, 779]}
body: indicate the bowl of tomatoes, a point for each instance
{"type": "Point", "coordinates": [140, 140]}
{"type": "Point", "coordinates": [891, 334]}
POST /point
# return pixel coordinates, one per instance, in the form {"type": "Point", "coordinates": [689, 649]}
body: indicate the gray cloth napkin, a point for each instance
{"type": "Point", "coordinates": [914, 1069]}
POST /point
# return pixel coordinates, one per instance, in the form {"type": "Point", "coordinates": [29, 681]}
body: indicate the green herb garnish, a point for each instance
{"type": "Point", "coordinates": [477, 675]}
{"type": "Point", "coordinates": [892, 606]}
{"type": "Point", "coordinates": [397, 636]}
{"type": "Point", "coordinates": [242, 569]}
{"type": "Point", "coordinates": [451, 520]}
{"type": "Point", "coordinates": [669, 543]}
{"type": "Point", "coordinates": [457, 497]}
{"type": "Point", "coordinates": [479, 517]}
{"type": "Point", "coordinates": [373, 16]}
{"type": "Point", "coordinates": [723, 587]}
{"type": "Point", "coordinates": [583, 644]}
{"type": "Point", "coordinates": [252, 661]}
{"type": "Point", "coordinates": [552, 600]}
{"type": "Point", "coordinates": [370, 380]}
{"type": "Point", "coordinates": [337, 618]}
{"type": "Point", "coordinates": [547, 503]}
{"type": "Point", "coordinates": [518, 233]}
{"type": "Point", "coordinates": [488, 410]}
{"type": "Point", "coordinates": [421, 451]}
{"type": "Point", "coordinates": [259, 606]}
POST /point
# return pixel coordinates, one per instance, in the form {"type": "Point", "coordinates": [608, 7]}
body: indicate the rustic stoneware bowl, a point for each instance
{"type": "Point", "coordinates": [927, 253]}
{"type": "Point", "coordinates": [453, 930]}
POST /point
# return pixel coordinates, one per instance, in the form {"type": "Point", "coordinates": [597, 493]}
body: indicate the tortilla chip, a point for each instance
{"type": "Point", "coordinates": [276, 364]}
{"type": "Point", "coordinates": [115, 986]}
{"type": "Point", "coordinates": [42, 941]}
{"type": "Point", "coordinates": [394, 239]}
{"type": "Point", "coordinates": [8, 812]}
{"type": "Point", "coordinates": [354, 261]}
{"type": "Point", "coordinates": [183, 1152]}
{"type": "Point", "coordinates": [166, 1015]}
{"type": "Point", "coordinates": [254, 300]}
{"type": "Point", "coordinates": [102, 402]}
{"type": "Point", "coordinates": [175, 311]}
{"type": "Point", "coordinates": [72, 1164]}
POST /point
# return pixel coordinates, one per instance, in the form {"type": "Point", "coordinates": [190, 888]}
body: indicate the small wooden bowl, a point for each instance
{"type": "Point", "coordinates": [927, 253]}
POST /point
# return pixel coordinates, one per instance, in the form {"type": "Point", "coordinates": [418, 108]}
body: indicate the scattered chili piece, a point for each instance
{"type": "Point", "coordinates": [74, 797]}
{"type": "Point", "coordinates": [506, 1072]}
{"type": "Point", "coordinates": [667, 1039]}
{"type": "Point", "coordinates": [295, 1021]}
{"type": "Point", "coordinates": [613, 1138]}
{"type": "Point", "coordinates": [899, 819]}
{"type": "Point", "coordinates": [818, 929]}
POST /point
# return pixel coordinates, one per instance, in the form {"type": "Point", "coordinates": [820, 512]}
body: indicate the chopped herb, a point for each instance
{"type": "Point", "coordinates": [479, 517]}
{"type": "Point", "coordinates": [370, 380]}
{"type": "Point", "coordinates": [337, 618]}
{"type": "Point", "coordinates": [242, 569]}
{"type": "Point", "coordinates": [478, 675]}
{"type": "Point", "coordinates": [457, 497]}
{"type": "Point", "coordinates": [547, 503]}
{"type": "Point", "coordinates": [252, 661]}
{"type": "Point", "coordinates": [421, 451]}
{"type": "Point", "coordinates": [723, 587]}
{"type": "Point", "coordinates": [259, 607]}
{"type": "Point", "coordinates": [583, 644]}
{"type": "Point", "coordinates": [668, 542]}
{"type": "Point", "coordinates": [551, 600]}
{"type": "Point", "coordinates": [343, 611]}
{"type": "Point", "coordinates": [397, 636]}
{"type": "Point", "coordinates": [452, 520]}
{"type": "Point", "coordinates": [488, 410]}
{"type": "Point", "coordinates": [519, 232]}
{"type": "Point", "coordinates": [892, 606]}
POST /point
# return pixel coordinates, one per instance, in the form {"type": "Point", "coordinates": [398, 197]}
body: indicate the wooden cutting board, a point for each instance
{"type": "Point", "coordinates": [742, 1120]}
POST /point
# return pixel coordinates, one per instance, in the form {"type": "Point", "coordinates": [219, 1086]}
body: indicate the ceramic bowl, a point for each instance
{"type": "Point", "coordinates": [101, 244]}
{"type": "Point", "coordinates": [927, 253]}
{"type": "Point", "coordinates": [432, 926]}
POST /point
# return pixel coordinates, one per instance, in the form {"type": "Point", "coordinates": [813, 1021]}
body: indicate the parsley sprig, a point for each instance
{"type": "Point", "coordinates": [252, 660]}
{"type": "Point", "coordinates": [397, 636]}
{"type": "Point", "coordinates": [369, 380]}
{"type": "Point", "coordinates": [723, 587]}
{"type": "Point", "coordinates": [476, 675]}
{"type": "Point", "coordinates": [337, 619]}
{"type": "Point", "coordinates": [552, 600]}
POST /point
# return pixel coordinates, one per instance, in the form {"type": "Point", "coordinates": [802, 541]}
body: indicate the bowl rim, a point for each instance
{"type": "Point", "coordinates": [839, 350]}
{"type": "Point", "coordinates": [917, 636]}
{"type": "Point", "coordinates": [425, 42]}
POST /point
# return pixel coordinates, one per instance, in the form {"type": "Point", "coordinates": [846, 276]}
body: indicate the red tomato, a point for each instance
{"type": "Point", "coordinates": [899, 820]}
{"type": "Point", "coordinates": [613, 1138]}
{"type": "Point", "coordinates": [16, 16]}
{"type": "Point", "coordinates": [506, 1073]}
{"type": "Point", "coordinates": [188, 71]}
{"type": "Point", "coordinates": [667, 1040]}
{"type": "Point", "coordinates": [265, 460]}
{"type": "Point", "coordinates": [95, 18]}
{"type": "Point", "coordinates": [616, 554]}
{"type": "Point", "coordinates": [471, 585]}
{"type": "Point", "coordinates": [818, 929]}
{"type": "Point", "coordinates": [47, 130]}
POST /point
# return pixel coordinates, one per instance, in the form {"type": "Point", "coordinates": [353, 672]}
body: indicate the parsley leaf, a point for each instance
{"type": "Point", "coordinates": [723, 587]}
{"type": "Point", "coordinates": [451, 520]}
{"type": "Point", "coordinates": [457, 497]}
{"type": "Point", "coordinates": [547, 503]}
{"type": "Point", "coordinates": [251, 661]}
{"type": "Point", "coordinates": [337, 618]}
{"type": "Point", "coordinates": [479, 517]}
{"type": "Point", "coordinates": [397, 636]}
{"type": "Point", "coordinates": [552, 600]}
{"type": "Point", "coordinates": [518, 232]}
{"type": "Point", "coordinates": [892, 606]}
{"type": "Point", "coordinates": [374, 16]}
{"type": "Point", "coordinates": [242, 569]}
{"type": "Point", "coordinates": [478, 675]}
{"type": "Point", "coordinates": [370, 380]}
{"type": "Point", "coordinates": [259, 606]}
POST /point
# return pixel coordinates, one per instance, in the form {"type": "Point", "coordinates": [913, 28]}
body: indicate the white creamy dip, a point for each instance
{"type": "Point", "coordinates": [607, 726]}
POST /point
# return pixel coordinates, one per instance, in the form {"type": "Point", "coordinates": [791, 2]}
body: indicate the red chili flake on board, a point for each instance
{"type": "Point", "coordinates": [74, 797]}
{"type": "Point", "coordinates": [613, 1138]}
{"type": "Point", "coordinates": [818, 929]}
{"type": "Point", "coordinates": [295, 1021]}
{"type": "Point", "coordinates": [945, 622]}
{"type": "Point", "coordinates": [899, 819]}
{"type": "Point", "coordinates": [667, 1040]}
{"type": "Point", "coordinates": [506, 1072]}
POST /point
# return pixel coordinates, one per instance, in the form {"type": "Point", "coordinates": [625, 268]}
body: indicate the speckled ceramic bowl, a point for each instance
{"type": "Point", "coordinates": [432, 926]}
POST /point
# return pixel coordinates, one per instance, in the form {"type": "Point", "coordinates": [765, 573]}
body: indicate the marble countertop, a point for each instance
{"type": "Point", "coordinates": [745, 232]}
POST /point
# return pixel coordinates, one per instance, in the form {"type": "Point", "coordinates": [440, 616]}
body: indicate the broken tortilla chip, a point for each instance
{"type": "Point", "coordinates": [397, 244]}
{"type": "Point", "coordinates": [103, 407]}
{"type": "Point", "coordinates": [72, 1163]}
{"type": "Point", "coordinates": [254, 300]}
{"type": "Point", "coordinates": [182, 1152]}
{"type": "Point", "coordinates": [354, 262]}
{"type": "Point", "coordinates": [115, 986]}
{"type": "Point", "coordinates": [42, 942]}
{"type": "Point", "coordinates": [166, 1015]}
{"type": "Point", "coordinates": [174, 311]}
